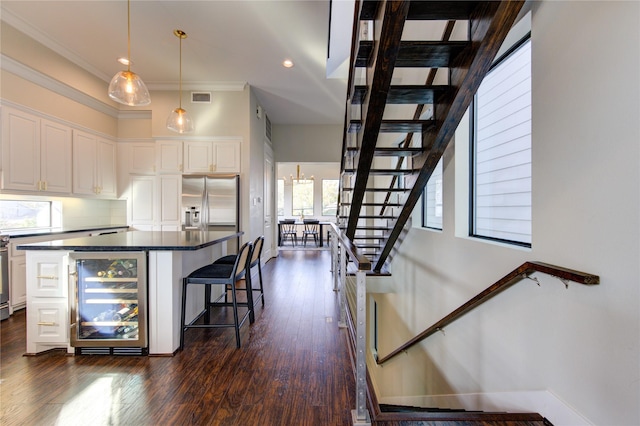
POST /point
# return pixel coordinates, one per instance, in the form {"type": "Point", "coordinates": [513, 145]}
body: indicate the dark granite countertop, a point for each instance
{"type": "Point", "coordinates": [54, 231]}
{"type": "Point", "coordinates": [137, 241]}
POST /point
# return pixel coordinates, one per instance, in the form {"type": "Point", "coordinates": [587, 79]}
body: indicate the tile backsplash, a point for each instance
{"type": "Point", "coordinates": [79, 212]}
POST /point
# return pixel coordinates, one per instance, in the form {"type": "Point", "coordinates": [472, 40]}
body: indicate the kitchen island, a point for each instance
{"type": "Point", "coordinates": [169, 257]}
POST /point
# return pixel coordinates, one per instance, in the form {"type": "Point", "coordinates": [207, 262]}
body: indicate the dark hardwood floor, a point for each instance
{"type": "Point", "coordinates": [293, 367]}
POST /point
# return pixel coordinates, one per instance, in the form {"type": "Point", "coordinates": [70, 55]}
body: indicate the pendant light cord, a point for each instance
{"type": "Point", "coordinates": [180, 37]}
{"type": "Point", "coordinates": [129, 35]}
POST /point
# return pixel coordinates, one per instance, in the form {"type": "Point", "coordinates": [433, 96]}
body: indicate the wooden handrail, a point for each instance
{"type": "Point", "coordinates": [521, 272]}
{"type": "Point", "coordinates": [361, 262]}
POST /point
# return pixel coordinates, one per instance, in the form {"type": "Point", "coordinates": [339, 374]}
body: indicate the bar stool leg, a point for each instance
{"type": "Point", "coordinates": [236, 322]}
{"type": "Point", "coordinates": [184, 306]}
{"type": "Point", "coordinates": [260, 276]}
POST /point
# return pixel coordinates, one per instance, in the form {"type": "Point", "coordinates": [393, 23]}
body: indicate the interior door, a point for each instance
{"type": "Point", "coordinates": [269, 200]}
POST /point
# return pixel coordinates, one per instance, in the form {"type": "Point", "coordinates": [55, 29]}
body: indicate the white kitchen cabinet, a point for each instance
{"type": "Point", "coordinates": [227, 156]}
{"type": "Point", "coordinates": [141, 201]}
{"type": "Point", "coordinates": [154, 202]}
{"type": "Point", "coordinates": [198, 157]}
{"type": "Point", "coordinates": [17, 283]}
{"type": "Point", "coordinates": [212, 157]}
{"type": "Point", "coordinates": [169, 157]}
{"type": "Point", "coordinates": [94, 165]}
{"type": "Point", "coordinates": [36, 153]}
{"type": "Point", "coordinates": [142, 158]}
{"type": "Point", "coordinates": [169, 202]}
{"type": "Point", "coordinates": [47, 301]}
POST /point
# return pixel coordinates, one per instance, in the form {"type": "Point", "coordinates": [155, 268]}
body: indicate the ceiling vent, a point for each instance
{"type": "Point", "coordinates": [200, 97]}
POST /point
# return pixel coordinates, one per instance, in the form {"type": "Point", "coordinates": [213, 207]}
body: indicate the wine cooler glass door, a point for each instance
{"type": "Point", "coordinates": [110, 299]}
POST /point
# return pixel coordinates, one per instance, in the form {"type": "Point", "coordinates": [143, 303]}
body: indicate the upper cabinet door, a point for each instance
{"type": "Point", "coordinates": [84, 163]}
{"type": "Point", "coordinates": [94, 166]}
{"type": "Point", "coordinates": [55, 157]}
{"type": "Point", "coordinates": [226, 157]}
{"type": "Point", "coordinates": [198, 157]}
{"type": "Point", "coordinates": [142, 159]}
{"type": "Point", "coordinates": [169, 157]}
{"type": "Point", "coordinates": [20, 150]}
{"type": "Point", "coordinates": [106, 169]}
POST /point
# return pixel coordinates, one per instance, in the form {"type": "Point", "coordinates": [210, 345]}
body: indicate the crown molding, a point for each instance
{"type": "Point", "coordinates": [219, 86]}
{"type": "Point", "coordinates": [36, 77]}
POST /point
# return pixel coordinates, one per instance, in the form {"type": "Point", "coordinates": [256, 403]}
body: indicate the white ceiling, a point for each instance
{"type": "Point", "coordinates": [228, 42]}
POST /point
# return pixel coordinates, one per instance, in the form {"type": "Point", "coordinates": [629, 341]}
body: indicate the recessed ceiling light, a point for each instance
{"type": "Point", "coordinates": [287, 63]}
{"type": "Point", "coordinates": [125, 61]}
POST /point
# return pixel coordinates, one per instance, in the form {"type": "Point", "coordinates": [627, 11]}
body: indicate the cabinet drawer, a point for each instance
{"type": "Point", "coordinates": [47, 321]}
{"type": "Point", "coordinates": [47, 276]}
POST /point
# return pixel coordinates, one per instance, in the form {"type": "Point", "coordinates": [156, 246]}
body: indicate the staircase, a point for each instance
{"type": "Point", "coordinates": [406, 95]}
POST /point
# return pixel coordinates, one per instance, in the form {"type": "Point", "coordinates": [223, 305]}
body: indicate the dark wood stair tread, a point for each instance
{"type": "Point", "coordinates": [404, 94]}
{"type": "Point", "coordinates": [416, 54]}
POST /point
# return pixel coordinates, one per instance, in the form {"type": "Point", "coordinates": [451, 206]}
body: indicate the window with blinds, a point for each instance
{"type": "Point", "coordinates": [501, 193]}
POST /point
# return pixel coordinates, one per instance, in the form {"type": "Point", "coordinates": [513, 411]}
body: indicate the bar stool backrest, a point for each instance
{"type": "Point", "coordinates": [257, 250]}
{"type": "Point", "coordinates": [242, 259]}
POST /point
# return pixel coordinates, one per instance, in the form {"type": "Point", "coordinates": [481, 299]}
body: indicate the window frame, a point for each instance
{"type": "Point", "coordinates": [322, 206]}
{"type": "Point", "coordinates": [472, 155]}
{"type": "Point", "coordinates": [425, 199]}
{"type": "Point", "coordinates": [309, 182]}
{"type": "Point", "coordinates": [51, 217]}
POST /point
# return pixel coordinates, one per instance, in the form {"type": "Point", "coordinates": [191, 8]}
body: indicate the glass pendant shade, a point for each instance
{"type": "Point", "coordinates": [179, 121]}
{"type": "Point", "coordinates": [126, 87]}
{"type": "Point", "coordinates": [129, 89]}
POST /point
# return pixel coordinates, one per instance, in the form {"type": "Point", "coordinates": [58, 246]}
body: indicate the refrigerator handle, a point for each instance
{"type": "Point", "coordinates": [204, 213]}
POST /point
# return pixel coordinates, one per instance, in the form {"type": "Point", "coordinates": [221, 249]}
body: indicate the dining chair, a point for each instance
{"type": "Point", "coordinates": [310, 230]}
{"type": "Point", "coordinates": [288, 230]}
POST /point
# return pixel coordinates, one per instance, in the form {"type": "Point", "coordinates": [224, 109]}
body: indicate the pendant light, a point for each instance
{"type": "Point", "coordinates": [127, 87]}
{"type": "Point", "coordinates": [179, 121]}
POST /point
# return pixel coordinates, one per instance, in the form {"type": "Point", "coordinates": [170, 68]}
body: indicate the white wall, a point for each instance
{"type": "Point", "coordinates": [581, 344]}
{"type": "Point", "coordinates": [307, 143]}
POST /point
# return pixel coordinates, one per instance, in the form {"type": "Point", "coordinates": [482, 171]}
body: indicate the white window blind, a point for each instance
{"type": "Point", "coordinates": [432, 216]}
{"type": "Point", "coordinates": [502, 155]}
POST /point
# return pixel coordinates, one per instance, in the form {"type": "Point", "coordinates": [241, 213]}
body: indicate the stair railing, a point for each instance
{"type": "Point", "coordinates": [345, 253]}
{"type": "Point", "coordinates": [522, 272]}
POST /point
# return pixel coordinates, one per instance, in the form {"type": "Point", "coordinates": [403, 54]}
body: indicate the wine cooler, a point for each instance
{"type": "Point", "coordinates": [108, 303]}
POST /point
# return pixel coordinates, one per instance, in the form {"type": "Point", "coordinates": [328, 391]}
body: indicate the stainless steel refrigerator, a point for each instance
{"type": "Point", "coordinates": [211, 202]}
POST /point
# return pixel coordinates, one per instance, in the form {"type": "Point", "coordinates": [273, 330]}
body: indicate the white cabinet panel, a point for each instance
{"type": "Point", "coordinates": [94, 166]}
{"type": "Point", "coordinates": [106, 168]}
{"type": "Point", "coordinates": [198, 157]}
{"type": "Point", "coordinates": [36, 153]}
{"type": "Point", "coordinates": [142, 200]}
{"type": "Point", "coordinates": [17, 282]}
{"type": "Point", "coordinates": [55, 157]}
{"type": "Point", "coordinates": [169, 156]}
{"type": "Point", "coordinates": [169, 202]}
{"type": "Point", "coordinates": [47, 300]}
{"type": "Point", "coordinates": [84, 163]}
{"type": "Point", "coordinates": [20, 150]}
{"type": "Point", "coordinates": [48, 322]}
{"type": "Point", "coordinates": [142, 158]}
{"type": "Point", "coordinates": [227, 157]}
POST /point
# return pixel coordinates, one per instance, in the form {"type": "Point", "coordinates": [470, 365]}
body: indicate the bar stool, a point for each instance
{"type": "Point", "coordinates": [256, 252]}
{"type": "Point", "coordinates": [220, 274]}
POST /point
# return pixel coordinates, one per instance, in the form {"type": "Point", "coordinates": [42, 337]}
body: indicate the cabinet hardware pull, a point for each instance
{"type": "Point", "coordinates": [47, 323]}
{"type": "Point", "coordinates": [47, 277]}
